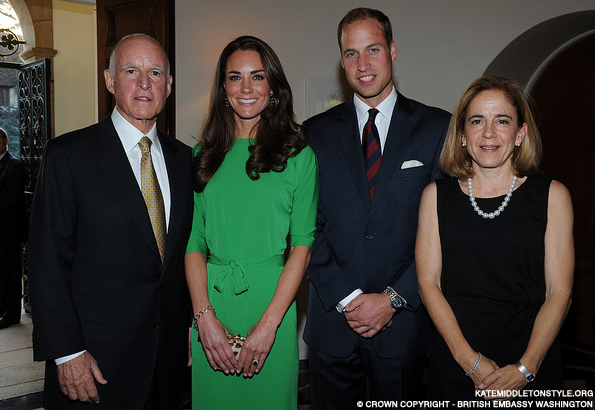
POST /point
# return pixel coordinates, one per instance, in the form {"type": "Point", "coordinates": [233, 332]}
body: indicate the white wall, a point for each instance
{"type": "Point", "coordinates": [442, 45]}
{"type": "Point", "coordinates": [75, 97]}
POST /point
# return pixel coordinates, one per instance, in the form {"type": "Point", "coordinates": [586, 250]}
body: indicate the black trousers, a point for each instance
{"type": "Point", "coordinates": [157, 399]}
{"type": "Point", "coordinates": [11, 288]}
{"type": "Point", "coordinates": [340, 383]}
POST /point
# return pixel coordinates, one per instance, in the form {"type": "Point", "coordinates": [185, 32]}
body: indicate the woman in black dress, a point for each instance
{"type": "Point", "coordinates": [494, 252]}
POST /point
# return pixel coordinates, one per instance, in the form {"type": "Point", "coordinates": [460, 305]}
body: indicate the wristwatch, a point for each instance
{"type": "Point", "coordinates": [528, 375]}
{"type": "Point", "coordinates": [397, 301]}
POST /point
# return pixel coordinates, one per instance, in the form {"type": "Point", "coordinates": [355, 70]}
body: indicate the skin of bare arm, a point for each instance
{"type": "Point", "coordinates": [212, 333]}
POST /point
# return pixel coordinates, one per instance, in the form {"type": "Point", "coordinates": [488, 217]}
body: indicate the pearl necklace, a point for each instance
{"type": "Point", "coordinates": [498, 211]}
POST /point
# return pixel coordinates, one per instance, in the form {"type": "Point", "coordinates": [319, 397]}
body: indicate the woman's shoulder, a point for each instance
{"type": "Point", "coordinates": [306, 154]}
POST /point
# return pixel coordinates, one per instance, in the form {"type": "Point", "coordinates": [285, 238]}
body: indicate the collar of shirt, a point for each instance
{"type": "Point", "coordinates": [3, 154]}
{"type": "Point", "coordinates": [382, 121]}
{"type": "Point", "coordinates": [130, 135]}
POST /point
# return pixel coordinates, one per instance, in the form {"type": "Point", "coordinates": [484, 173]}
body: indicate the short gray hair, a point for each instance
{"type": "Point", "coordinates": [112, 58]}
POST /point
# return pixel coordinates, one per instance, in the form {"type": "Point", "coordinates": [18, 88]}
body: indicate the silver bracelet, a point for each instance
{"type": "Point", "coordinates": [474, 367]}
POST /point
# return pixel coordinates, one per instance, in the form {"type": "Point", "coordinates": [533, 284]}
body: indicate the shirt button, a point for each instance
{"type": "Point", "coordinates": [369, 237]}
{"type": "Point", "coordinates": [156, 324]}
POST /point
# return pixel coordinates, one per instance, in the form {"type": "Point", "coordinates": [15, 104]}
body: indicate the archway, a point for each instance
{"type": "Point", "coordinates": [555, 61]}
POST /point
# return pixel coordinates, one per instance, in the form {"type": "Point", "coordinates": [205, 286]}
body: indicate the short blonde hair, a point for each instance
{"type": "Point", "coordinates": [455, 160]}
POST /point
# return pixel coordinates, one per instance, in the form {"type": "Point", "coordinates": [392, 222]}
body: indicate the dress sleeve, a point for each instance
{"type": "Point", "coordinates": [197, 241]}
{"type": "Point", "coordinates": [305, 199]}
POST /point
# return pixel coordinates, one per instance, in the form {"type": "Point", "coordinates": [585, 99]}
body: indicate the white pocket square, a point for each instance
{"type": "Point", "coordinates": [412, 163]}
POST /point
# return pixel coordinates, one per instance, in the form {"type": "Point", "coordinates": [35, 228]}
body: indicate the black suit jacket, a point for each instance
{"type": "Point", "coordinates": [362, 243]}
{"type": "Point", "coordinates": [96, 278]}
{"type": "Point", "coordinates": [12, 201]}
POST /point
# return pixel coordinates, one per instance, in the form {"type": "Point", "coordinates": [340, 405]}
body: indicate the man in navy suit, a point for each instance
{"type": "Point", "coordinates": [109, 299]}
{"type": "Point", "coordinates": [12, 222]}
{"type": "Point", "coordinates": [367, 331]}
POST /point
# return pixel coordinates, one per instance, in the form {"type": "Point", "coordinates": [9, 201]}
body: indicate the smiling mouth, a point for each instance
{"type": "Point", "coordinates": [490, 148]}
{"type": "Point", "coordinates": [367, 78]}
{"type": "Point", "coordinates": [142, 99]}
{"type": "Point", "coordinates": [247, 101]}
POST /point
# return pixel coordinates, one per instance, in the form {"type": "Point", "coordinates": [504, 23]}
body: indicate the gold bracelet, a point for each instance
{"type": "Point", "coordinates": [202, 312]}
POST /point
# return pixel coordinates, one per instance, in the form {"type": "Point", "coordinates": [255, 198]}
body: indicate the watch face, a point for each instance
{"type": "Point", "coordinates": [397, 303]}
{"type": "Point", "coordinates": [530, 378]}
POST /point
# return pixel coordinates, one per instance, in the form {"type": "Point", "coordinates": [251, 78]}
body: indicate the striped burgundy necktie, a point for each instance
{"type": "Point", "coordinates": [371, 148]}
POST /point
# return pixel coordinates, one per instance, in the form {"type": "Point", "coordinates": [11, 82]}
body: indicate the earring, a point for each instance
{"type": "Point", "coordinates": [518, 145]}
{"type": "Point", "coordinates": [226, 103]}
{"type": "Point", "coordinates": [463, 145]}
{"type": "Point", "coordinates": [271, 102]}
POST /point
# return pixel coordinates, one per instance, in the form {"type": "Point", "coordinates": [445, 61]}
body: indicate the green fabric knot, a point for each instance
{"type": "Point", "coordinates": [240, 284]}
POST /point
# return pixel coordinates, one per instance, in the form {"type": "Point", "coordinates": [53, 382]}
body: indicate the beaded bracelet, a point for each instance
{"type": "Point", "coordinates": [202, 312]}
{"type": "Point", "coordinates": [474, 367]}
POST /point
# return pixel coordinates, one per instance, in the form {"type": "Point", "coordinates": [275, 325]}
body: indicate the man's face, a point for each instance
{"type": "Point", "coordinates": [367, 60]}
{"type": "Point", "coordinates": [141, 84]}
{"type": "Point", "coordinates": [3, 144]}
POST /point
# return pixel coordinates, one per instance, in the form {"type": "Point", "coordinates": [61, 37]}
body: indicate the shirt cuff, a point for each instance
{"type": "Point", "coordinates": [64, 359]}
{"type": "Point", "coordinates": [341, 305]}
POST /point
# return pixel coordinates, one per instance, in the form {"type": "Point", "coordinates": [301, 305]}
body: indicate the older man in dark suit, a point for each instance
{"type": "Point", "coordinates": [366, 329]}
{"type": "Point", "coordinates": [12, 221]}
{"type": "Point", "coordinates": [109, 227]}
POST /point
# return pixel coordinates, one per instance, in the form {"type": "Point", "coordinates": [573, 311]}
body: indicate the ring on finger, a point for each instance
{"type": "Point", "coordinates": [255, 362]}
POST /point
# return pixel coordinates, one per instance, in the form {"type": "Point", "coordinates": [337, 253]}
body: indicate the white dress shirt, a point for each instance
{"type": "Point", "coordinates": [382, 122]}
{"type": "Point", "coordinates": [130, 136]}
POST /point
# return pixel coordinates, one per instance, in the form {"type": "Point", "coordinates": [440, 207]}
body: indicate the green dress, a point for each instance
{"type": "Point", "coordinates": [242, 226]}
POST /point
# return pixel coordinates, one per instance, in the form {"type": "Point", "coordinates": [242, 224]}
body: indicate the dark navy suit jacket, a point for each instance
{"type": "Point", "coordinates": [362, 243]}
{"type": "Point", "coordinates": [96, 277]}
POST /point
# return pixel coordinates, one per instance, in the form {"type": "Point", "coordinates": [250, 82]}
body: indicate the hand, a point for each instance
{"type": "Point", "coordinates": [506, 378]}
{"type": "Point", "coordinates": [213, 337]}
{"type": "Point", "coordinates": [77, 378]}
{"type": "Point", "coordinates": [257, 346]}
{"type": "Point", "coordinates": [485, 367]}
{"type": "Point", "coordinates": [369, 313]}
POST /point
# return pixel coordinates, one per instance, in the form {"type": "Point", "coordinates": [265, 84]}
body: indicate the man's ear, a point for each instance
{"type": "Point", "coordinates": [109, 80]}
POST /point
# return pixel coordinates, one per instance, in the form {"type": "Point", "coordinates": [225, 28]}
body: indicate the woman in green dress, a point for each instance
{"type": "Point", "coordinates": [256, 195]}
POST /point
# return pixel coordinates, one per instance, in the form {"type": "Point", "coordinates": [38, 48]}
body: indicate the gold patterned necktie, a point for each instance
{"type": "Point", "coordinates": [152, 195]}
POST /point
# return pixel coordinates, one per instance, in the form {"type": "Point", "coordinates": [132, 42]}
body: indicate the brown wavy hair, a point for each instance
{"type": "Point", "coordinates": [277, 137]}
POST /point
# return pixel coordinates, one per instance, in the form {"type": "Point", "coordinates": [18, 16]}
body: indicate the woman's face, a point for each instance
{"type": "Point", "coordinates": [491, 130]}
{"type": "Point", "coordinates": [247, 87]}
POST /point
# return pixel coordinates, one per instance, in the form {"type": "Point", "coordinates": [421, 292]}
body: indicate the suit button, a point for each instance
{"type": "Point", "coordinates": [369, 236]}
{"type": "Point", "coordinates": [156, 324]}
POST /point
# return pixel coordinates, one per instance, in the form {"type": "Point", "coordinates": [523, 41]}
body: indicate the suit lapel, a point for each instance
{"type": "Point", "coordinates": [116, 167]}
{"type": "Point", "coordinates": [347, 134]}
{"type": "Point", "coordinates": [175, 174]}
{"type": "Point", "coordinates": [396, 141]}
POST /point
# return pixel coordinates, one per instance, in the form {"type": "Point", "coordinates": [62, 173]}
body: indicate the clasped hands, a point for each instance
{"type": "Point", "coordinates": [489, 377]}
{"type": "Point", "coordinates": [258, 344]}
{"type": "Point", "coordinates": [369, 313]}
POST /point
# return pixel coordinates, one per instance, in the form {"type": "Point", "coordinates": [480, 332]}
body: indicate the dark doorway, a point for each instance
{"type": "Point", "coordinates": [564, 94]}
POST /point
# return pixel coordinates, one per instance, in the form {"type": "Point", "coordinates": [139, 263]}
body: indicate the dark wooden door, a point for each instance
{"type": "Point", "coordinates": [565, 100]}
{"type": "Point", "coordinates": [118, 18]}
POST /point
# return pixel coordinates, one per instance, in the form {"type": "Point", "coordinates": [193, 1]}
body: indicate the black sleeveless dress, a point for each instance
{"type": "Point", "coordinates": [493, 278]}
